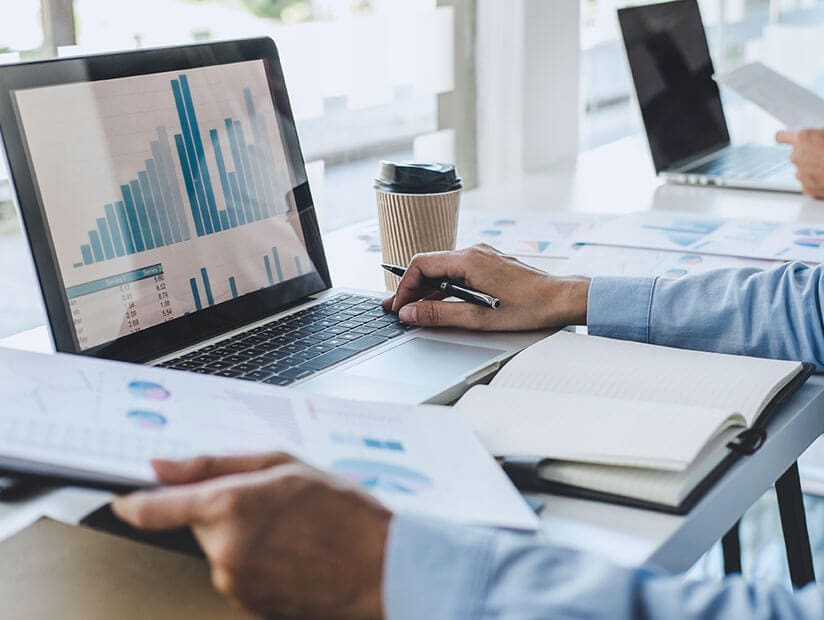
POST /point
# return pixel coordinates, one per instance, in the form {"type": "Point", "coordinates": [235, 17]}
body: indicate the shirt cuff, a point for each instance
{"type": "Point", "coordinates": [434, 569]}
{"type": "Point", "coordinates": [620, 307]}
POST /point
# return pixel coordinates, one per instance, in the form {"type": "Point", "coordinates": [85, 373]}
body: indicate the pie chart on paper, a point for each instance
{"type": "Point", "coordinates": [380, 476]}
{"type": "Point", "coordinates": [149, 390]}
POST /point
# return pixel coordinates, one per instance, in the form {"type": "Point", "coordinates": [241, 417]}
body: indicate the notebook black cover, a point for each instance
{"type": "Point", "coordinates": [524, 472]}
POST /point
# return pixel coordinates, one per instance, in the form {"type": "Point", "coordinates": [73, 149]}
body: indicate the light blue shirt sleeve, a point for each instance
{"type": "Point", "coordinates": [449, 572]}
{"type": "Point", "coordinates": [437, 570]}
{"type": "Point", "coordinates": [775, 313]}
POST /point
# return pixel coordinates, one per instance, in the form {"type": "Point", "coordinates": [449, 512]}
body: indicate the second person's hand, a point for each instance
{"type": "Point", "coordinates": [530, 298]}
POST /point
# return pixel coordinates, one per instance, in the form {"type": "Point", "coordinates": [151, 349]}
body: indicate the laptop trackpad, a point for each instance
{"type": "Point", "coordinates": [425, 362]}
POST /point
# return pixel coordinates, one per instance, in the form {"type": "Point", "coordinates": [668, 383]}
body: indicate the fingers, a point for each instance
{"type": "Point", "coordinates": [444, 314]}
{"type": "Point", "coordinates": [423, 270]}
{"type": "Point", "coordinates": [163, 509]}
{"type": "Point", "coordinates": [786, 137]}
{"type": "Point", "coordinates": [205, 467]}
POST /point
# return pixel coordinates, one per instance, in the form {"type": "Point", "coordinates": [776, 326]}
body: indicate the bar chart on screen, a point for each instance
{"type": "Point", "coordinates": [165, 193]}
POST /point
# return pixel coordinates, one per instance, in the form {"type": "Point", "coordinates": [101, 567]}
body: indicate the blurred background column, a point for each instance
{"type": "Point", "coordinates": [58, 25]}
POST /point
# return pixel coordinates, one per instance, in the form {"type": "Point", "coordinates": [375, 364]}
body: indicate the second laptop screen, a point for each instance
{"type": "Point", "coordinates": [672, 71]}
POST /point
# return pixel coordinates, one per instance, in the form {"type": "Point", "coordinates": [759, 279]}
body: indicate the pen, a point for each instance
{"type": "Point", "coordinates": [453, 289]}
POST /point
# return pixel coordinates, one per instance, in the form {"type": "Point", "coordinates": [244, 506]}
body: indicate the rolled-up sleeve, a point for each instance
{"type": "Point", "coordinates": [773, 313]}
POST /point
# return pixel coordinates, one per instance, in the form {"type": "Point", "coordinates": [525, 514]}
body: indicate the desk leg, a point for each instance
{"type": "Point", "coordinates": [794, 526]}
{"type": "Point", "coordinates": [731, 548]}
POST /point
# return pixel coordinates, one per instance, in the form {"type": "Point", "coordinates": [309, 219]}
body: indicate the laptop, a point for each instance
{"type": "Point", "coordinates": [164, 196]}
{"type": "Point", "coordinates": [681, 107]}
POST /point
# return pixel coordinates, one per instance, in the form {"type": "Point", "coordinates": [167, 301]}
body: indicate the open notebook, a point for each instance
{"type": "Point", "coordinates": [640, 423]}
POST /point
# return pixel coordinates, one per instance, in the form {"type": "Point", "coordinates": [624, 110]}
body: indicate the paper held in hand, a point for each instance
{"type": "Point", "coordinates": [779, 96]}
{"type": "Point", "coordinates": [66, 416]}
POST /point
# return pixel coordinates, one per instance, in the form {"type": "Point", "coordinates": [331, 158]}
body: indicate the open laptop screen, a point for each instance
{"type": "Point", "coordinates": [167, 195]}
{"type": "Point", "coordinates": [672, 70]}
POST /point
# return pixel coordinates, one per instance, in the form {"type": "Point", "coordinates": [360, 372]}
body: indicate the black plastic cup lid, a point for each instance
{"type": "Point", "coordinates": [417, 178]}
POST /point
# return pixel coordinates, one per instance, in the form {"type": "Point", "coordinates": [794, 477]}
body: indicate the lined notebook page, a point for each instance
{"type": "Point", "coordinates": [663, 487]}
{"type": "Point", "coordinates": [591, 429]}
{"type": "Point", "coordinates": [577, 364]}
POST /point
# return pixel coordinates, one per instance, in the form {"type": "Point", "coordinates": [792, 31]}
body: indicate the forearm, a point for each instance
{"type": "Point", "coordinates": [435, 570]}
{"type": "Point", "coordinates": [775, 313]}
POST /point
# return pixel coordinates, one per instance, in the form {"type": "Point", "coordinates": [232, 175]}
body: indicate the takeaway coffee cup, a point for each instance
{"type": "Point", "coordinates": [417, 211]}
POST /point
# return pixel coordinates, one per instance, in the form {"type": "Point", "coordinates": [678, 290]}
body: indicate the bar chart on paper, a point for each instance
{"type": "Point", "coordinates": [165, 193]}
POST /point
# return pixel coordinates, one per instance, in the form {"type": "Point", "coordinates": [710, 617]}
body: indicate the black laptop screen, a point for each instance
{"type": "Point", "coordinates": [174, 202]}
{"type": "Point", "coordinates": [672, 70]}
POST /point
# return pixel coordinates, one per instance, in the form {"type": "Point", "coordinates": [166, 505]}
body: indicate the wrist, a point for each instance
{"type": "Point", "coordinates": [566, 301]}
{"type": "Point", "coordinates": [370, 605]}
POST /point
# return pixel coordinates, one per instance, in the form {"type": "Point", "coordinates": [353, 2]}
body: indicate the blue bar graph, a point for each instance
{"type": "Point", "coordinates": [278, 268]}
{"type": "Point", "coordinates": [134, 226]}
{"type": "Point", "coordinates": [204, 275]}
{"type": "Point", "coordinates": [114, 230]}
{"type": "Point", "coordinates": [195, 294]}
{"type": "Point", "coordinates": [97, 249]}
{"type": "Point", "coordinates": [191, 158]}
{"type": "Point", "coordinates": [268, 270]}
{"type": "Point", "coordinates": [153, 211]}
{"type": "Point", "coordinates": [161, 207]}
{"type": "Point", "coordinates": [233, 287]}
{"type": "Point", "coordinates": [203, 169]}
{"type": "Point", "coordinates": [105, 238]}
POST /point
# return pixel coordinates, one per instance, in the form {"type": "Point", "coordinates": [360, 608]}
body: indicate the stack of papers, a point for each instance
{"type": "Point", "coordinates": [75, 417]}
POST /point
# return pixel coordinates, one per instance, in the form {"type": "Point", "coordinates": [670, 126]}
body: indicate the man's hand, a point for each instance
{"type": "Point", "coordinates": [530, 298]}
{"type": "Point", "coordinates": [808, 157]}
{"type": "Point", "coordinates": [282, 538]}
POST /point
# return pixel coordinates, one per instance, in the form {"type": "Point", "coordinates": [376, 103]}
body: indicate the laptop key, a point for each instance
{"type": "Point", "coordinates": [302, 356]}
{"type": "Point", "coordinates": [281, 381]}
{"type": "Point", "coordinates": [352, 335]}
{"type": "Point", "coordinates": [320, 348]}
{"type": "Point", "coordinates": [330, 332]}
{"type": "Point", "coordinates": [296, 374]}
{"type": "Point", "coordinates": [228, 373]}
{"type": "Point", "coordinates": [391, 331]}
{"type": "Point", "coordinates": [363, 330]}
{"type": "Point", "coordinates": [245, 367]}
{"type": "Point", "coordinates": [235, 358]}
{"type": "Point", "coordinates": [257, 375]}
{"type": "Point", "coordinates": [367, 342]}
{"type": "Point", "coordinates": [328, 359]}
{"type": "Point", "coordinates": [186, 365]}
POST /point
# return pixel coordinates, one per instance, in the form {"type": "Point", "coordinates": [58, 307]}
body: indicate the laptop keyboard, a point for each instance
{"type": "Point", "coordinates": [744, 162]}
{"type": "Point", "coordinates": [297, 346]}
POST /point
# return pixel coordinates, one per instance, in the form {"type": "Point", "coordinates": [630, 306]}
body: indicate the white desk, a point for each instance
{"type": "Point", "coordinates": [613, 179]}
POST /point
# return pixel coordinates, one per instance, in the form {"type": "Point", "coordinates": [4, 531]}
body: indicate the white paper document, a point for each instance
{"type": "Point", "coordinates": [104, 420]}
{"type": "Point", "coordinates": [790, 103]}
{"type": "Point", "coordinates": [605, 260]}
{"type": "Point", "coordinates": [527, 233]}
{"type": "Point", "coordinates": [699, 234]}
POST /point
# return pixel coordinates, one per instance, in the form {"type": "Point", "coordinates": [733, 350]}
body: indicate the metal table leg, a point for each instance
{"type": "Point", "coordinates": [794, 526]}
{"type": "Point", "coordinates": [731, 548]}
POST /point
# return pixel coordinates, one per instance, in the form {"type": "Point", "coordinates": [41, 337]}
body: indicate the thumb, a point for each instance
{"type": "Point", "coordinates": [786, 137]}
{"type": "Point", "coordinates": [442, 314]}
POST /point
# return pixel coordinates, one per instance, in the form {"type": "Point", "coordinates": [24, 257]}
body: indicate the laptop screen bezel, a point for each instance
{"type": "Point", "coordinates": [660, 163]}
{"type": "Point", "coordinates": [162, 339]}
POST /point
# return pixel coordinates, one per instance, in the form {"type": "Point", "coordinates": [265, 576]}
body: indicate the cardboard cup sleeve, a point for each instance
{"type": "Point", "coordinates": [415, 223]}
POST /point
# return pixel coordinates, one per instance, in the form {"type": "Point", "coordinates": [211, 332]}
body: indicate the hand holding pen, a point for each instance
{"type": "Point", "coordinates": [528, 298]}
{"type": "Point", "coordinates": [453, 289]}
